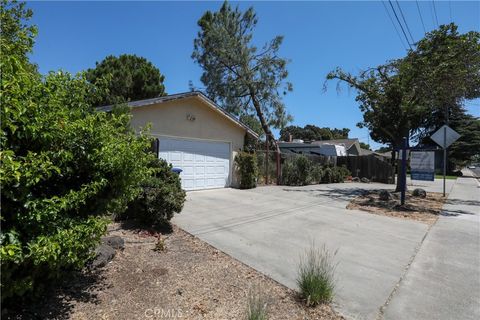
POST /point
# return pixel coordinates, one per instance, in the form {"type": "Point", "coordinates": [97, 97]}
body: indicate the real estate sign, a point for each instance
{"type": "Point", "coordinates": [422, 165]}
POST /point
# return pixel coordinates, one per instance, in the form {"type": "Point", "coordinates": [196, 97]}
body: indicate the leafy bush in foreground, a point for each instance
{"type": "Point", "coordinates": [64, 167]}
{"type": "Point", "coordinates": [316, 276]}
{"type": "Point", "coordinates": [161, 197]}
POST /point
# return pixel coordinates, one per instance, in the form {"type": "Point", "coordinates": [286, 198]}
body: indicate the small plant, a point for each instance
{"type": "Point", "coordinates": [257, 306]}
{"type": "Point", "coordinates": [160, 246]}
{"type": "Point", "coordinates": [316, 277]}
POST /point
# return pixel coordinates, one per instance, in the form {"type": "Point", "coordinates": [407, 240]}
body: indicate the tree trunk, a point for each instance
{"type": "Point", "coordinates": [268, 133]}
{"type": "Point", "coordinates": [398, 146]}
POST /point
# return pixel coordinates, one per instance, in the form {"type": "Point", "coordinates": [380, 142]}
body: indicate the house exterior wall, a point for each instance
{"type": "Point", "coordinates": [190, 118]}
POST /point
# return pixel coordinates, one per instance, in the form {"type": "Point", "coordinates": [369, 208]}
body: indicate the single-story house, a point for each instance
{"type": "Point", "coordinates": [195, 135]}
{"type": "Point", "coordinates": [313, 149]}
{"type": "Point", "coordinates": [352, 146]}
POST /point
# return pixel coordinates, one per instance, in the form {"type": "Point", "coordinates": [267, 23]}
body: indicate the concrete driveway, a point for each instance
{"type": "Point", "coordinates": [269, 227]}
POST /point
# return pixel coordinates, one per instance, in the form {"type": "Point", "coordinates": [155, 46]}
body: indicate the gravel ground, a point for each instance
{"type": "Point", "coordinates": [425, 210]}
{"type": "Point", "coordinates": [188, 280]}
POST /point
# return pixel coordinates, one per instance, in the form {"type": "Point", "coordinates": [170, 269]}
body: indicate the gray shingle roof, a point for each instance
{"type": "Point", "coordinates": [347, 142]}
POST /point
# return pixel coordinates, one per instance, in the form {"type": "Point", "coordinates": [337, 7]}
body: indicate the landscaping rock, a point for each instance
{"type": "Point", "coordinates": [115, 242]}
{"type": "Point", "coordinates": [104, 254]}
{"type": "Point", "coordinates": [419, 193]}
{"type": "Point", "coordinates": [365, 180]}
{"type": "Point", "coordinates": [384, 195]}
{"type": "Point", "coordinates": [356, 179]}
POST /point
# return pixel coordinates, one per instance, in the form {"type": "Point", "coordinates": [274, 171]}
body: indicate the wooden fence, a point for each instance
{"type": "Point", "coordinates": [369, 167]}
{"type": "Point", "coordinates": [360, 166]}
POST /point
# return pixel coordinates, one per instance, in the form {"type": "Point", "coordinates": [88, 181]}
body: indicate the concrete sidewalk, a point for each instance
{"type": "Point", "coordinates": [443, 282]}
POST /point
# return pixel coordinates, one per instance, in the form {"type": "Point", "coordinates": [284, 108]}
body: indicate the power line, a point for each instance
{"type": "Point", "coordinates": [405, 21]}
{"type": "Point", "coordinates": [450, 9]}
{"type": "Point", "coordinates": [398, 20]}
{"type": "Point", "coordinates": [435, 11]}
{"type": "Point", "coordinates": [421, 19]}
{"type": "Point", "coordinates": [396, 29]}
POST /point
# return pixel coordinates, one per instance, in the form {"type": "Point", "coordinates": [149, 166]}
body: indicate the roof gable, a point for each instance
{"type": "Point", "coordinates": [193, 94]}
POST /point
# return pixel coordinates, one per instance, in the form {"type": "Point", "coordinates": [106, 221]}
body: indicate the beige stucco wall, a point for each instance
{"type": "Point", "coordinates": [171, 119]}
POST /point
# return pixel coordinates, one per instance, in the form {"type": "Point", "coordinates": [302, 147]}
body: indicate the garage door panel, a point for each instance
{"type": "Point", "coordinates": [205, 164]}
{"type": "Point", "coordinates": [188, 157]}
{"type": "Point", "coordinates": [188, 170]}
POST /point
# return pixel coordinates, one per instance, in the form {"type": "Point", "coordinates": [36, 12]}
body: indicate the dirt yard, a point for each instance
{"type": "Point", "coordinates": [188, 280]}
{"type": "Point", "coordinates": [425, 210]}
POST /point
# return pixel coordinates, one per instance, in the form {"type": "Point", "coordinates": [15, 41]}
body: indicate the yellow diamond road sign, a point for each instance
{"type": "Point", "coordinates": [445, 136]}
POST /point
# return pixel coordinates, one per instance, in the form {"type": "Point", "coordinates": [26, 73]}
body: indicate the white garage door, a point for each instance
{"type": "Point", "coordinates": [205, 164]}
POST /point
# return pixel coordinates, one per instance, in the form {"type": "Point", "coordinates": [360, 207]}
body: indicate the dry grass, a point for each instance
{"type": "Point", "coordinates": [189, 279]}
{"type": "Point", "coordinates": [425, 210]}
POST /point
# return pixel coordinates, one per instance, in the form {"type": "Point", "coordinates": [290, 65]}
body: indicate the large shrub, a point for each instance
{"type": "Point", "coordinates": [248, 169]}
{"type": "Point", "coordinates": [161, 195]}
{"type": "Point", "coordinates": [64, 167]}
{"type": "Point", "coordinates": [297, 171]}
{"type": "Point", "coordinates": [300, 170]}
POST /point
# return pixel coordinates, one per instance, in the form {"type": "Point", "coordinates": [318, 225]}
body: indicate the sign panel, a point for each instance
{"type": "Point", "coordinates": [451, 136]}
{"type": "Point", "coordinates": [422, 165]}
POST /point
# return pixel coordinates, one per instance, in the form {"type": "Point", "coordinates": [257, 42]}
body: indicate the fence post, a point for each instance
{"type": "Point", "coordinates": [279, 172]}
{"type": "Point", "coordinates": [266, 161]}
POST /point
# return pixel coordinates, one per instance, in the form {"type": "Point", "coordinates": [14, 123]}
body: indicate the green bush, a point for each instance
{"type": "Point", "coordinates": [335, 174]}
{"type": "Point", "coordinates": [300, 171]}
{"type": "Point", "coordinates": [161, 197]}
{"type": "Point", "coordinates": [328, 175]}
{"type": "Point", "coordinates": [316, 174]}
{"type": "Point", "coordinates": [297, 171]}
{"type": "Point", "coordinates": [316, 276]}
{"type": "Point", "coordinates": [248, 169]}
{"type": "Point", "coordinates": [64, 167]}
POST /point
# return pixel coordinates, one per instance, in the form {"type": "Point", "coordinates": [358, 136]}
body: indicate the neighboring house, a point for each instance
{"type": "Point", "coordinates": [352, 146]}
{"type": "Point", "coordinates": [195, 135]}
{"type": "Point", "coordinates": [298, 147]}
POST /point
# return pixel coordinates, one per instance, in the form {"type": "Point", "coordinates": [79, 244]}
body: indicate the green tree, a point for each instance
{"type": "Point", "coordinates": [463, 151]}
{"type": "Point", "coordinates": [127, 78]}
{"type": "Point", "coordinates": [64, 167]}
{"type": "Point", "coordinates": [409, 97]}
{"type": "Point", "coordinates": [237, 75]}
{"type": "Point", "coordinates": [313, 133]}
{"type": "Point", "coordinates": [365, 146]}
{"type": "Point", "coordinates": [383, 149]}
{"type": "Point", "coordinates": [252, 122]}
{"type": "Point", "coordinates": [444, 71]}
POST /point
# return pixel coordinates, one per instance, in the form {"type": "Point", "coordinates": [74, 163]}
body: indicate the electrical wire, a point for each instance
{"type": "Point", "coordinates": [405, 21]}
{"type": "Point", "coordinates": [450, 9]}
{"type": "Point", "coordinates": [435, 11]}
{"type": "Point", "coordinates": [421, 18]}
{"type": "Point", "coordinates": [401, 26]}
{"type": "Point", "coordinates": [394, 25]}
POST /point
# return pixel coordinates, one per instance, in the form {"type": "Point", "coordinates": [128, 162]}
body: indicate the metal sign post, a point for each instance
{"type": "Point", "coordinates": [444, 137]}
{"type": "Point", "coordinates": [404, 171]}
{"type": "Point", "coordinates": [444, 158]}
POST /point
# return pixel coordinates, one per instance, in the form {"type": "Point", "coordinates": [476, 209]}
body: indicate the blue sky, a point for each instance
{"type": "Point", "coordinates": [319, 36]}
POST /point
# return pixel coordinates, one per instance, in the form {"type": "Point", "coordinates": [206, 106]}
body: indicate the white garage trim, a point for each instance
{"type": "Point", "coordinates": [217, 150]}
